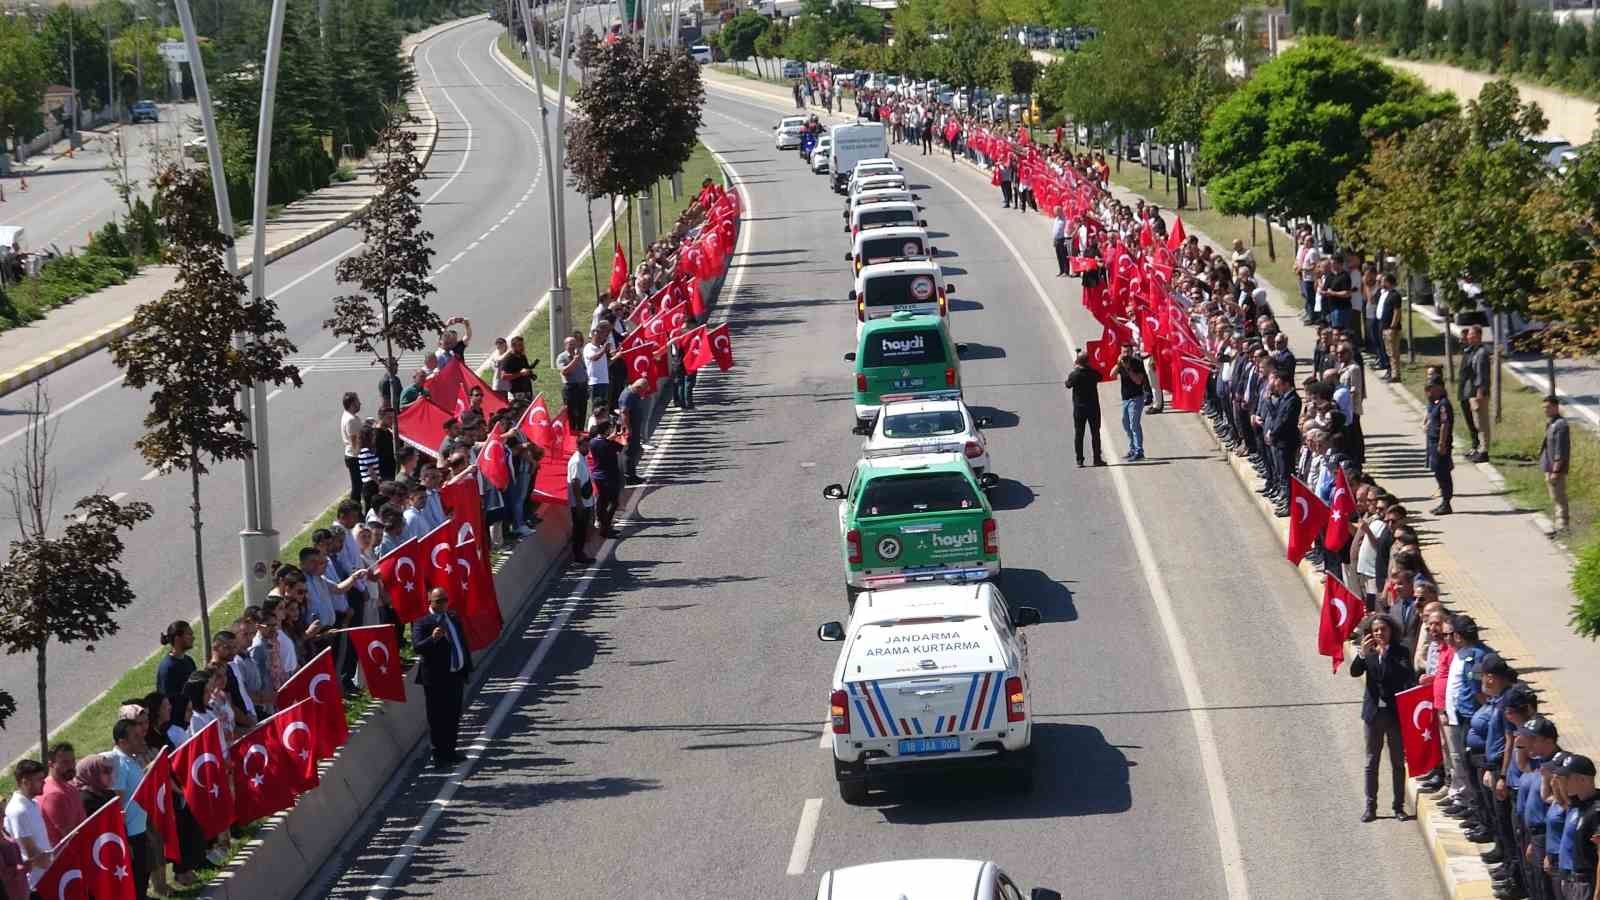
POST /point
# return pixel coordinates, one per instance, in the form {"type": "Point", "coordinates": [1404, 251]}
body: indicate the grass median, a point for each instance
{"type": "Point", "coordinates": [1515, 453]}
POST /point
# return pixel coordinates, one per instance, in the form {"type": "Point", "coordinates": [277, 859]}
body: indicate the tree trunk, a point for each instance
{"type": "Point", "coordinates": [630, 227]}
{"type": "Point", "coordinates": [44, 715]}
{"type": "Point", "coordinates": [391, 364]}
{"type": "Point", "coordinates": [594, 264]}
{"type": "Point", "coordinates": [1183, 188]}
{"type": "Point", "coordinates": [199, 556]}
{"type": "Point", "coordinates": [1272, 250]}
{"type": "Point", "coordinates": [1500, 326]}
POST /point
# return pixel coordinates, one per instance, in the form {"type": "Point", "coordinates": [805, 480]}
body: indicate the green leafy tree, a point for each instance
{"type": "Point", "coordinates": [1285, 140]}
{"type": "Point", "coordinates": [64, 587]}
{"type": "Point", "coordinates": [640, 120]}
{"type": "Point", "coordinates": [1492, 42]}
{"type": "Point", "coordinates": [8, 707]}
{"type": "Point", "coordinates": [24, 68]}
{"type": "Point", "coordinates": [1394, 201]}
{"type": "Point", "coordinates": [1565, 213]}
{"type": "Point", "coordinates": [391, 272]}
{"type": "Point", "coordinates": [72, 36]}
{"type": "Point", "coordinates": [738, 36]}
{"type": "Point", "coordinates": [181, 350]}
{"type": "Point", "coordinates": [137, 54]}
{"type": "Point", "coordinates": [1457, 38]}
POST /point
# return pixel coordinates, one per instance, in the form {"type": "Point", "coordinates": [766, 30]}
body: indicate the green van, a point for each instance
{"type": "Point", "coordinates": [915, 519]}
{"type": "Point", "coordinates": [902, 356]}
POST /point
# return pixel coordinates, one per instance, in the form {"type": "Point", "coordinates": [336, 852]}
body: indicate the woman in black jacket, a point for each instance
{"type": "Point", "coordinates": [1387, 667]}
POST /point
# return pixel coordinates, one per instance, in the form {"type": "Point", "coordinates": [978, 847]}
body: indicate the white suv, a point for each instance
{"type": "Point", "coordinates": [926, 879]}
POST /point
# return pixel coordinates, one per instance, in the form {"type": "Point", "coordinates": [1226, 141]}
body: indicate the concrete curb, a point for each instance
{"type": "Point", "coordinates": [56, 360]}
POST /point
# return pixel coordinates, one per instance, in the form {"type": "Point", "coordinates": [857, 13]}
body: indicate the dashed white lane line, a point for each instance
{"type": "Point", "coordinates": [805, 836]}
{"type": "Point", "coordinates": [117, 497]}
{"type": "Point", "coordinates": [457, 257]}
{"type": "Point", "coordinates": [826, 740]}
{"type": "Point", "coordinates": [151, 475]}
{"type": "Point", "coordinates": [272, 396]}
{"type": "Point", "coordinates": [55, 414]}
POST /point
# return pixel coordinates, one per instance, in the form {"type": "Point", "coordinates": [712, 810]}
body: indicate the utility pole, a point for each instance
{"type": "Point", "coordinates": [560, 297]}
{"type": "Point", "coordinates": [72, 70]}
{"type": "Point", "coordinates": [111, 81]}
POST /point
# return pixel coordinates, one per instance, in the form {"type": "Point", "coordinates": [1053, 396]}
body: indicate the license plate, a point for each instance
{"type": "Point", "coordinates": [903, 383]}
{"type": "Point", "coordinates": [930, 745]}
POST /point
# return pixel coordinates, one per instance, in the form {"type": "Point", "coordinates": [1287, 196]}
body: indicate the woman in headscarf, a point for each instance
{"type": "Point", "coordinates": [94, 782]}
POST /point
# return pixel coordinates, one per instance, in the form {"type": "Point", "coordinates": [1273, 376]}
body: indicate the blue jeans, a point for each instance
{"type": "Point", "coordinates": [1133, 424]}
{"type": "Point", "coordinates": [1375, 345]}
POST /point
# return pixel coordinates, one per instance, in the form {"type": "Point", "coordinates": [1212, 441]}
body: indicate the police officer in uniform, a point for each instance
{"type": "Point", "coordinates": [1536, 746]}
{"type": "Point", "coordinates": [1578, 851]}
{"type": "Point", "coordinates": [1440, 428]}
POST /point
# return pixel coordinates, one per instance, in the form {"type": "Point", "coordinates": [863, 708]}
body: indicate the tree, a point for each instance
{"type": "Point", "coordinates": [137, 52]}
{"type": "Point", "coordinates": [8, 707]}
{"type": "Point", "coordinates": [641, 116]}
{"type": "Point", "coordinates": [1566, 217]}
{"type": "Point", "coordinates": [1022, 74]}
{"type": "Point", "coordinates": [1284, 141]}
{"type": "Point", "coordinates": [738, 36]}
{"type": "Point", "coordinates": [182, 347]}
{"type": "Point", "coordinates": [24, 68]}
{"type": "Point", "coordinates": [392, 269]}
{"type": "Point", "coordinates": [1393, 202]}
{"type": "Point", "coordinates": [63, 587]}
{"type": "Point", "coordinates": [72, 37]}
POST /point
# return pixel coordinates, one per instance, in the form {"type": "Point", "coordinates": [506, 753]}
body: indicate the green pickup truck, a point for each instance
{"type": "Point", "coordinates": [902, 356]}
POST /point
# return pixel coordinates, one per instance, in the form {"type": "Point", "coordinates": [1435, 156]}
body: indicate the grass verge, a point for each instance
{"type": "Point", "coordinates": [752, 74]}
{"type": "Point", "coordinates": [584, 282]}
{"type": "Point", "coordinates": [1515, 453]}
{"type": "Point", "coordinates": [547, 76]}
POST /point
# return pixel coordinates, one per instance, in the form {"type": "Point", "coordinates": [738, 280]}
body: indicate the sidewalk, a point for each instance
{"type": "Point", "coordinates": [1492, 560]}
{"type": "Point", "coordinates": [90, 323]}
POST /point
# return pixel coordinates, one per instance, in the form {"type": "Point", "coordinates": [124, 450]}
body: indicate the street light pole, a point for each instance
{"type": "Point", "coordinates": [256, 548]}
{"type": "Point", "coordinates": [560, 298]}
{"type": "Point", "coordinates": [72, 67]}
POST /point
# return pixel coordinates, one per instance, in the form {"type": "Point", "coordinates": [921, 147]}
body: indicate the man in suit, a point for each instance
{"type": "Point", "coordinates": [443, 664]}
{"type": "Point", "coordinates": [1386, 340]}
{"type": "Point", "coordinates": [1387, 667]}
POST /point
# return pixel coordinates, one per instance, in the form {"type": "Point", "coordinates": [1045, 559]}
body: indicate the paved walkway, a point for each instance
{"type": "Point", "coordinates": [1493, 561]}
{"type": "Point", "coordinates": [71, 332]}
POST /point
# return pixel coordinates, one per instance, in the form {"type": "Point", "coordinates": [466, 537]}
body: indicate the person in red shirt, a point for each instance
{"type": "Point", "coordinates": [61, 803]}
{"type": "Point", "coordinates": [1433, 662]}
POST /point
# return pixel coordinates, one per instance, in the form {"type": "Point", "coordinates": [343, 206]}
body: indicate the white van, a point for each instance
{"type": "Point", "coordinates": [883, 215]}
{"type": "Point", "coordinates": [852, 144]}
{"type": "Point", "coordinates": [931, 677]}
{"type": "Point", "coordinates": [916, 286]}
{"type": "Point", "coordinates": [877, 245]}
{"type": "Point", "coordinates": [701, 53]}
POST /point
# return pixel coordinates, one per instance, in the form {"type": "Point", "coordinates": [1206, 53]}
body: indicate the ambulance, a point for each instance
{"type": "Point", "coordinates": [930, 678]}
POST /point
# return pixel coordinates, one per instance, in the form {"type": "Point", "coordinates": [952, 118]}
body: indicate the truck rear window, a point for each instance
{"type": "Point", "coordinates": [873, 217]}
{"type": "Point", "coordinates": [879, 249]}
{"type": "Point", "coordinates": [899, 290]}
{"type": "Point", "coordinates": [929, 423]}
{"type": "Point", "coordinates": [916, 493]}
{"type": "Point", "coordinates": [911, 347]}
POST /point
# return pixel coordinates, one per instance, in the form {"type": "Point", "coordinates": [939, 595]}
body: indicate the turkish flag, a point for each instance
{"type": "Point", "coordinates": [444, 385]}
{"type": "Point", "coordinates": [1078, 265]}
{"type": "Point", "coordinates": [422, 426]}
{"type": "Point", "coordinates": [1147, 235]}
{"type": "Point", "coordinates": [403, 574]}
{"type": "Point", "coordinates": [619, 269]}
{"type": "Point", "coordinates": [265, 780]}
{"type": "Point", "coordinates": [379, 655]}
{"type": "Point", "coordinates": [462, 500]}
{"type": "Point", "coordinates": [1176, 236]}
{"type": "Point", "coordinates": [96, 855]}
{"type": "Point", "coordinates": [1419, 729]}
{"type": "Point", "coordinates": [535, 424]}
{"type": "Point", "coordinates": [493, 400]}
{"type": "Point", "coordinates": [638, 361]}
{"type": "Point", "coordinates": [698, 355]}
{"type": "Point", "coordinates": [1308, 515]}
{"type": "Point", "coordinates": [154, 796]}
{"type": "Point", "coordinates": [318, 681]}
{"type": "Point", "coordinates": [1344, 508]}
{"type": "Point", "coordinates": [494, 461]}
{"type": "Point", "coordinates": [697, 300]}
{"type": "Point", "coordinates": [1103, 354]}
{"type": "Point", "coordinates": [721, 346]}
{"type": "Point", "coordinates": [294, 729]}
{"type": "Point", "coordinates": [437, 546]}
{"type": "Point", "coordinates": [473, 586]}
{"type": "Point", "coordinates": [1341, 610]}
{"type": "Point", "coordinates": [200, 763]}
{"type": "Point", "coordinates": [1189, 388]}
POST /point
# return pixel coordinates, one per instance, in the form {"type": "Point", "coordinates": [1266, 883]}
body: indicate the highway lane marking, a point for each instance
{"type": "Point", "coordinates": [117, 497]}
{"type": "Point", "coordinates": [1210, 760]}
{"type": "Point", "coordinates": [457, 257]}
{"type": "Point", "coordinates": [274, 395]}
{"type": "Point", "coordinates": [805, 836]}
{"type": "Point", "coordinates": [510, 699]}
{"type": "Point", "coordinates": [826, 741]}
{"type": "Point", "coordinates": [151, 475]}
{"type": "Point", "coordinates": [62, 411]}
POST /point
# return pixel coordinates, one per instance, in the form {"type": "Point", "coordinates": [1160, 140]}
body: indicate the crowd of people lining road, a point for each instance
{"type": "Point", "coordinates": [1296, 418]}
{"type": "Point", "coordinates": [396, 495]}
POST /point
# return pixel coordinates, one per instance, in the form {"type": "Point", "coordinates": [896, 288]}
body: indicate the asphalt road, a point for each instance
{"type": "Point", "coordinates": [69, 198]}
{"type": "Point", "coordinates": [486, 205]}
{"type": "Point", "coordinates": [658, 718]}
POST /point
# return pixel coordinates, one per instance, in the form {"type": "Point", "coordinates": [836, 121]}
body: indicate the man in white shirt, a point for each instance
{"type": "Point", "coordinates": [597, 364]}
{"type": "Point", "coordinates": [25, 823]}
{"type": "Point", "coordinates": [350, 437]}
{"type": "Point", "coordinates": [580, 499]}
{"type": "Point", "coordinates": [1058, 239]}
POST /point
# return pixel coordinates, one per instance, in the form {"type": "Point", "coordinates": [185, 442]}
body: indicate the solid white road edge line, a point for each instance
{"type": "Point", "coordinates": [55, 414]}
{"type": "Point", "coordinates": [1210, 760]}
{"type": "Point", "coordinates": [436, 808]}
{"type": "Point", "coordinates": [804, 836]}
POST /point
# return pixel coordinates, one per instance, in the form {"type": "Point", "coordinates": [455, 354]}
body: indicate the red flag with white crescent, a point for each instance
{"type": "Point", "coordinates": [1419, 729]}
{"type": "Point", "coordinates": [96, 856]}
{"type": "Point", "coordinates": [294, 728]}
{"type": "Point", "coordinates": [1308, 515]}
{"type": "Point", "coordinates": [1103, 354]}
{"type": "Point", "coordinates": [639, 361]}
{"type": "Point", "coordinates": [1189, 391]}
{"type": "Point", "coordinates": [721, 346]}
{"type": "Point", "coordinates": [1176, 236]}
{"type": "Point", "coordinates": [1344, 508]}
{"type": "Point", "coordinates": [698, 353]}
{"type": "Point", "coordinates": [200, 765]}
{"type": "Point", "coordinates": [154, 796]}
{"type": "Point", "coordinates": [379, 655]}
{"type": "Point", "coordinates": [619, 269]}
{"type": "Point", "coordinates": [318, 681]}
{"type": "Point", "coordinates": [494, 461]}
{"type": "Point", "coordinates": [265, 780]}
{"type": "Point", "coordinates": [1341, 610]}
{"type": "Point", "coordinates": [403, 574]}
{"type": "Point", "coordinates": [473, 593]}
{"type": "Point", "coordinates": [461, 499]}
{"type": "Point", "coordinates": [535, 424]}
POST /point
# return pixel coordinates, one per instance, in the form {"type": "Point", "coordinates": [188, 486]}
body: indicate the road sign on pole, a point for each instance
{"type": "Point", "coordinates": [174, 52]}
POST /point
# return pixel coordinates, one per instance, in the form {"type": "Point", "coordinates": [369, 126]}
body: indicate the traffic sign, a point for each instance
{"type": "Point", "coordinates": [174, 51]}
